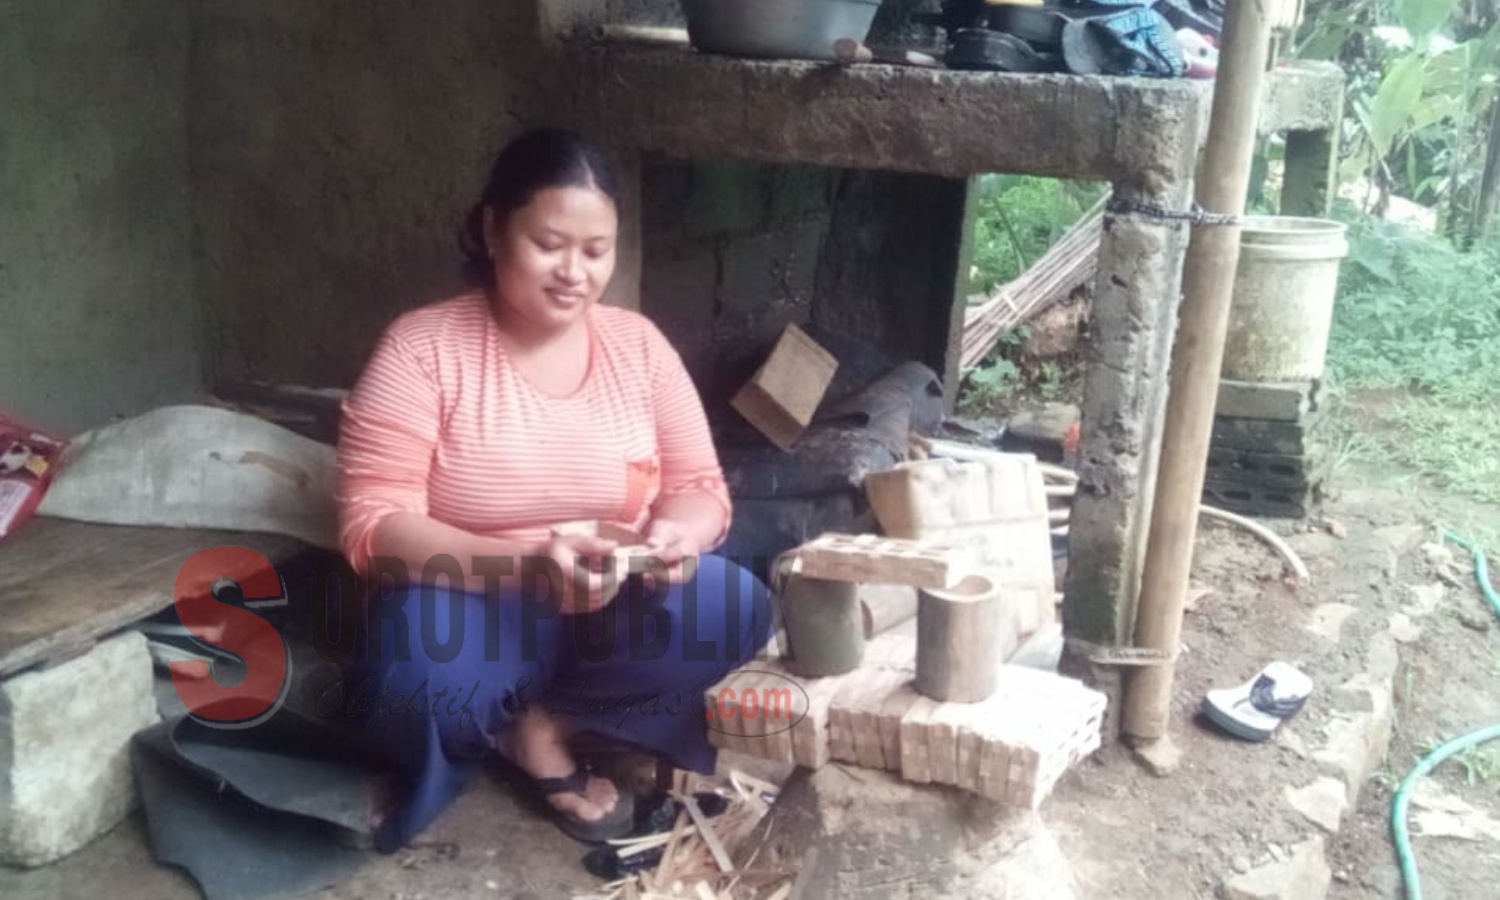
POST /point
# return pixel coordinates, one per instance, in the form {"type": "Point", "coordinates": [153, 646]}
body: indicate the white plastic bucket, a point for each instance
{"type": "Point", "coordinates": [1284, 291]}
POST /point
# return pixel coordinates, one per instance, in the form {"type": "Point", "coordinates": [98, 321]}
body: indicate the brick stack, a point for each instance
{"type": "Point", "coordinates": [1270, 455]}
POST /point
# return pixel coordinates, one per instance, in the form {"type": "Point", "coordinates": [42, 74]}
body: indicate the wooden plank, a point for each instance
{"type": "Point", "coordinates": [916, 765]}
{"type": "Point", "coordinates": [970, 754]}
{"type": "Point", "coordinates": [942, 741]}
{"type": "Point", "coordinates": [810, 734]}
{"type": "Point", "coordinates": [722, 706]}
{"type": "Point", "coordinates": [780, 399]}
{"type": "Point", "coordinates": [873, 558]}
{"type": "Point", "coordinates": [992, 507]}
{"type": "Point", "coordinates": [869, 751]}
{"type": "Point", "coordinates": [890, 656]}
{"type": "Point", "coordinates": [64, 584]}
{"type": "Point", "coordinates": [706, 831]}
{"type": "Point", "coordinates": [664, 867]}
{"type": "Point", "coordinates": [854, 720]}
{"type": "Point", "coordinates": [775, 732]}
{"type": "Point", "coordinates": [993, 771]}
{"type": "Point", "coordinates": [888, 721]}
{"type": "Point", "coordinates": [841, 722]}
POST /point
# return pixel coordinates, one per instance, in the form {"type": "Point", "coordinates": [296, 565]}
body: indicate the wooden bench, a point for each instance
{"type": "Point", "coordinates": [75, 682]}
{"type": "Point", "coordinates": [64, 585]}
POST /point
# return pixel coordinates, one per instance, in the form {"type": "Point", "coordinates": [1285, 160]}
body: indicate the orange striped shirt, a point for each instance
{"type": "Point", "coordinates": [442, 424]}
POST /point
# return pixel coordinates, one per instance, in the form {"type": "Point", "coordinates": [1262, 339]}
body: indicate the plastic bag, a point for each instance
{"type": "Point", "coordinates": [28, 460]}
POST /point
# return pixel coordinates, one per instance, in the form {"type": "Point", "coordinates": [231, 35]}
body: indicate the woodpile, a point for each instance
{"type": "Point", "coordinates": [1011, 747]}
{"type": "Point", "coordinates": [698, 854]}
{"type": "Point", "coordinates": [1071, 262]}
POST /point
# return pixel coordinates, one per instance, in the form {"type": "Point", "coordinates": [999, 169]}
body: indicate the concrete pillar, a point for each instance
{"type": "Point", "coordinates": [1311, 173]}
{"type": "Point", "coordinates": [1127, 355]}
{"type": "Point", "coordinates": [1305, 100]}
{"type": "Point", "coordinates": [65, 775]}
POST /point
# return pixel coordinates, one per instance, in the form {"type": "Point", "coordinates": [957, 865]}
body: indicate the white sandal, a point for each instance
{"type": "Point", "coordinates": [1254, 710]}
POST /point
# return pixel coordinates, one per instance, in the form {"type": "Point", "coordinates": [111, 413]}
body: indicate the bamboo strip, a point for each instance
{"type": "Point", "coordinates": [1072, 261]}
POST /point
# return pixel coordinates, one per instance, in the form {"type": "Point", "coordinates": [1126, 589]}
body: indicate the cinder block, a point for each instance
{"type": "Point", "coordinates": [1268, 435]}
{"type": "Point", "coordinates": [65, 774]}
{"type": "Point", "coordinates": [1268, 470]}
{"type": "Point", "coordinates": [1253, 500]}
{"type": "Point", "coordinates": [1288, 401]}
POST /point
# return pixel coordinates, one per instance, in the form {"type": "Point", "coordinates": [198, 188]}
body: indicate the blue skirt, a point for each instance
{"type": "Point", "coordinates": [441, 673]}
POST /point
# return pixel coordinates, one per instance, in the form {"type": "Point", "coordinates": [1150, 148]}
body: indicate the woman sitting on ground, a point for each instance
{"type": "Point", "coordinates": [481, 425]}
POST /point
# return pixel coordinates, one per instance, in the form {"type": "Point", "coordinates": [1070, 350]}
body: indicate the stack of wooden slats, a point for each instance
{"type": "Point", "coordinates": [884, 560]}
{"type": "Point", "coordinates": [1011, 747]}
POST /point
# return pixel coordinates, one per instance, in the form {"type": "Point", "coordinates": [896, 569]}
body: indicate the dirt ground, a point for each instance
{"type": "Point", "coordinates": [1130, 834]}
{"type": "Point", "coordinates": [1133, 835]}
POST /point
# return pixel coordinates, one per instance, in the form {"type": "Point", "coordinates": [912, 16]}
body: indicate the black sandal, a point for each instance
{"type": "Point", "coordinates": [617, 823]}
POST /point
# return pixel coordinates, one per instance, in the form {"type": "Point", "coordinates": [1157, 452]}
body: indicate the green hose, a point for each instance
{"type": "Point", "coordinates": [1458, 745]}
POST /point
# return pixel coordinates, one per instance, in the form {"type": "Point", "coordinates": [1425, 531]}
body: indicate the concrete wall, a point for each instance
{"type": "Point", "coordinates": [97, 311]}
{"type": "Point", "coordinates": [896, 264]}
{"type": "Point", "coordinates": [733, 251]}
{"type": "Point", "coordinates": [337, 145]}
{"type": "Point", "coordinates": [212, 191]}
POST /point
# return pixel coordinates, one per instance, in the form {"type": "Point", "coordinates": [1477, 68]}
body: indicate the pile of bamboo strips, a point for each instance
{"type": "Point", "coordinates": [697, 860]}
{"type": "Point", "coordinates": [1071, 262]}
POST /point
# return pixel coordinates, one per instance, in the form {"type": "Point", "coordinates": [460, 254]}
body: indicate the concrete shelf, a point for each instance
{"type": "Point", "coordinates": [884, 117]}
{"type": "Point", "coordinates": [1143, 136]}
{"type": "Point", "coordinates": [894, 118]}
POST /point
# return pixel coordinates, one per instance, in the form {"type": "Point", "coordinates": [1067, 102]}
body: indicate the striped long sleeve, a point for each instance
{"type": "Point", "coordinates": [441, 423]}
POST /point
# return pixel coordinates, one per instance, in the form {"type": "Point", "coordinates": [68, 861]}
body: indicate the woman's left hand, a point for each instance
{"type": "Point", "coordinates": [675, 546]}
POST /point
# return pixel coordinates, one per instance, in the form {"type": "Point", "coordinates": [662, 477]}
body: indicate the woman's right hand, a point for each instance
{"type": "Point", "coordinates": [590, 579]}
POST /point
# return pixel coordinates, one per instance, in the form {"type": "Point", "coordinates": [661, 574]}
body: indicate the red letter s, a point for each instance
{"type": "Point", "coordinates": [237, 630]}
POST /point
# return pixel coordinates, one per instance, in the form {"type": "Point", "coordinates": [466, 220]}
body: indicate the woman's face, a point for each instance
{"type": "Point", "coordinates": [554, 256]}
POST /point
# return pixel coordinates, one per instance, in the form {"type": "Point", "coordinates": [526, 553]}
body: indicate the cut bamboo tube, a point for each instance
{"type": "Point", "coordinates": [960, 641]}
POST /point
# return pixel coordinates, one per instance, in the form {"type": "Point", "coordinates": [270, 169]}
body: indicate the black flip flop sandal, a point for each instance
{"type": "Point", "coordinates": [617, 823]}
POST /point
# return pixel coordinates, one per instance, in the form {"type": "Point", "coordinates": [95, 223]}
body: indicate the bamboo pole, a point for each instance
{"type": "Point", "coordinates": [1488, 201]}
{"type": "Point", "coordinates": [1208, 281]}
